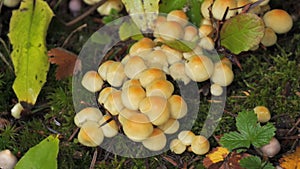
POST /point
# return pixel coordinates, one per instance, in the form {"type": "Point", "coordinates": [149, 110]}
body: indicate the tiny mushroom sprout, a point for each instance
{"type": "Point", "coordinates": [115, 74]}
{"type": "Point", "coordinates": [7, 159]}
{"type": "Point", "coordinates": [17, 110]}
{"type": "Point", "coordinates": [106, 8]}
{"type": "Point", "coordinates": [279, 20]}
{"type": "Point", "coordinates": [200, 145]}
{"type": "Point", "coordinates": [269, 38]}
{"type": "Point", "coordinates": [87, 114]}
{"type": "Point", "coordinates": [132, 96]}
{"type": "Point", "coordinates": [90, 134]}
{"type": "Point", "coordinates": [92, 81]}
{"type": "Point", "coordinates": [170, 127]}
{"type": "Point", "coordinates": [186, 137]}
{"type": "Point", "coordinates": [199, 68]}
{"type": "Point", "coordinates": [177, 106]}
{"type": "Point", "coordinates": [161, 87]}
{"type": "Point", "coordinates": [222, 74]}
{"type": "Point", "coordinates": [272, 148]}
{"type": "Point", "coordinates": [138, 127]}
{"type": "Point", "coordinates": [108, 126]}
{"type": "Point", "coordinates": [263, 114]}
{"type": "Point", "coordinates": [177, 146]}
{"type": "Point", "coordinates": [216, 90]}
{"type": "Point", "coordinates": [156, 108]}
{"type": "Point", "coordinates": [219, 8]}
{"type": "Point", "coordinates": [156, 141]}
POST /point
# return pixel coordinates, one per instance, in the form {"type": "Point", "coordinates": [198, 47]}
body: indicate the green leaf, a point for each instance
{"type": "Point", "coordinates": [27, 34]}
{"type": "Point", "coordinates": [168, 5]}
{"type": "Point", "coordinates": [242, 32]}
{"type": "Point", "coordinates": [194, 12]}
{"type": "Point", "coordinates": [43, 155]}
{"type": "Point", "coordinates": [101, 39]}
{"type": "Point", "coordinates": [250, 132]}
{"type": "Point", "coordinates": [254, 162]}
{"type": "Point", "coordinates": [129, 29]}
{"type": "Point", "coordinates": [234, 140]}
{"type": "Point", "coordinates": [181, 45]}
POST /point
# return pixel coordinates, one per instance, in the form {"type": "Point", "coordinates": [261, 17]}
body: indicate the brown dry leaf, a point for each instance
{"type": "Point", "coordinates": [220, 158]}
{"type": "Point", "coordinates": [291, 161]}
{"type": "Point", "coordinates": [66, 61]}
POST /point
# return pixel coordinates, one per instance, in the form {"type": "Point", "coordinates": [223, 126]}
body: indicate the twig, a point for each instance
{"type": "Point", "coordinates": [3, 57]}
{"type": "Point", "coordinates": [73, 134]}
{"type": "Point", "coordinates": [85, 14]}
{"type": "Point", "coordinates": [72, 33]}
{"type": "Point", "coordinates": [92, 166]}
{"type": "Point", "coordinates": [295, 125]}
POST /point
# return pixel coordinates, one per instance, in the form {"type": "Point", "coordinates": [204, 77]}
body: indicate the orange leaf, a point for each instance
{"type": "Point", "coordinates": [291, 161]}
{"type": "Point", "coordinates": [66, 62]}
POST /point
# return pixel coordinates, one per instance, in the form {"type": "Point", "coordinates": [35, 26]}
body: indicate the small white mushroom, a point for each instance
{"type": "Point", "coordinates": [177, 146]}
{"type": "Point", "coordinates": [161, 87]}
{"type": "Point", "coordinates": [87, 114]}
{"type": "Point", "coordinates": [92, 81]}
{"type": "Point", "coordinates": [190, 33]}
{"type": "Point", "coordinates": [103, 95]}
{"type": "Point", "coordinates": [164, 31]}
{"type": "Point", "coordinates": [156, 141]}
{"type": "Point", "coordinates": [178, 16]}
{"type": "Point", "coordinates": [170, 127]}
{"type": "Point", "coordinates": [115, 74]}
{"type": "Point", "coordinates": [90, 134]}
{"type": "Point", "coordinates": [177, 72]}
{"type": "Point", "coordinates": [114, 103]}
{"type": "Point", "coordinates": [134, 66]}
{"type": "Point", "coordinates": [216, 90]}
{"type": "Point", "coordinates": [177, 106]}
{"type": "Point", "coordinates": [132, 96]}
{"type": "Point", "coordinates": [219, 8]}
{"type": "Point", "coordinates": [17, 110]}
{"type": "Point", "coordinates": [279, 20]}
{"type": "Point", "coordinates": [102, 70]}
{"type": "Point", "coordinates": [141, 47]}
{"type": "Point", "coordinates": [173, 55]}
{"type": "Point", "coordinates": [222, 75]}
{"type": "Point", "coordinates": [157, 59]}
{"type": "Point", "coordinates": [110, 129]}
{"type": "Point", "coordinates": [150, 75]}
{"type": "Point", "coordinates": [106, 8]}
{"type": "Point", "coordinates": [200, 145]}
{"type": "Point", "coordinates": [199, 68]}
{"type": "Point", "coordinates": [186, 137]}
{"type": "Point", "coordinates": [7, 159]}
{"type": "Point", "coordinates": [272, 148]}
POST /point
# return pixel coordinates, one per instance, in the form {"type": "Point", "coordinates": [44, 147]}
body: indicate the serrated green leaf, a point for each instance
{"type": "Point", "coordinates": [242, 32]}
{"type": "Point", "coordinates": [129, 30]}
{"type": "Point", "coordinates": [27, 34]}
{"type": "Point", "coordinates": [234, 140]}
{"type": "Point", "coordinates": [181, 45]}
{"type": "Point", "coordinates": [254, 162]}
{"type": "Point", "coordinates": [194, 12]}
{"type": "Point", "coordinates": [264, 135]}
{"type": "Point", "coordinates": [43, 155]}
{"type": "Point", "coordinates": [168, 5]}
{"type": "Point", "coordinates": [249, 132]}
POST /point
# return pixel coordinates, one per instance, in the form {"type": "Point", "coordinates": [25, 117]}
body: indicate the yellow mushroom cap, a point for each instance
{"type": "Point", "coordinates": [222, 75]}
{"type": "Point", "coordinates": [138, 127]}
{"type": "Point", "coordinates": [216, 89]}
{"type": "Point", "coordinates": [163, 30]}
{"type": "Point", "coordinates": [172, 54]}
{"type": "Point", "coordinates": [125, 114]}
{"type": "Point", "coordinates": [204, 8]}
{"type": "Point", "coordinates": [205, 30]}
{"type": "Point", "coordinates": [156, 141]}
{"type": "Point", "coordinates": [200, 145]}
{"type": "Point", "coordinates": [87, 114]}
{"type": "Point", "coordinates": [150, 75]}
{"type": "Point", "coordinates": [177, 146]}
{"type": "Point", "coordinates": [131, 82]}
{"type": "Point", "coordinates": [142, 46]}
{"type": "Point", "coordinates": [134, 66]}
{"type": "Point", "coordinates": [186, 137]}
{"type": "Point", "coordinates": [263, 114]}
{"type": "Point", "coordinates": [178, 107]}
{"type": "Point", "coordinates": [161, 87]}
{"type": "Point", "coordinates": [90, 134]}
{"type": "Point", "coordinates": [157, 59]}
{"type": "Point", "coordinates": [105, 8]}
{"type": "Point", "coordinates": [92, 81]}
{"type": "Point", "coordinates": [199, 68]}
{"type": "Point", "coordinates": [114, 103]}
{"type": "Point", "coordinates": [115, 74]}
{"type": "Point", "coordinates": [178, 16]}
{"type": "Point", "coordinates": [110, 129]}
{"type": "Point", "coordinates": [103, 95]}
{"type": "Point", "coordinates": [263, 3]}
{"type": "Point", "coordinates": [269, 38]}
{"type": "Point", "coordinates": [91, 2]}
{"type": "Point", "coordinates": [170, 127]}
{"type": "Point", "coordinates": [206, 43]}
{"type": "Point", "coordinates": [177, 72]}
{"type": "Point", "coordinates": [102, 70]}
{"type": "Point", "coordinates": [132, 96]}
{"type": "Point", "coordinates": [219, 8]}
{"type": "Point", "coordinates": [279, 20]}
{"type": "Point", "coordinates": [156, 108]}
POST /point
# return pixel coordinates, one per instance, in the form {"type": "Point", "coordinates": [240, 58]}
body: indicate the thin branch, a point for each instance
{"type": "Point", "coordinates": [72, 33]}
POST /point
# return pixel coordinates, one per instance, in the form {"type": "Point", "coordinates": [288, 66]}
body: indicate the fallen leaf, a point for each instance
{"type": "Point", "coordinates": [291, 161]}
{"type": "Point", "coordinates": [220, 158]}
{"type": "Point", "coordinates": [66, 61]}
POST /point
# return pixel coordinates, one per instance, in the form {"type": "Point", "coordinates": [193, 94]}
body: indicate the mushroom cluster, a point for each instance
{"type": "Point", "coordinates": [137, 91]}
{"type": "Point", "coordinates": [277, 21]}
{"type": "Point", "coordinates": [197, 144]}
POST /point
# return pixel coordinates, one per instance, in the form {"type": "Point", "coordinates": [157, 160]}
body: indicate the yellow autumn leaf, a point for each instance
{"type": "Point", "coordinates": [291, 161]}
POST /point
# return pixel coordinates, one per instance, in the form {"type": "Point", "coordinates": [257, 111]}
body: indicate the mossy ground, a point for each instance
{"type": "Point", "coordinates": [269, 77]}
